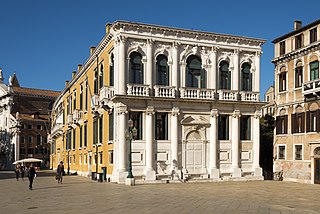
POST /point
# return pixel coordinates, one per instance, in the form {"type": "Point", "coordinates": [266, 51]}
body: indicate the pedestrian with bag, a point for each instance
{"type": "Point", "coordinates": [60, 172]}
{"type": "Point", "coordinates": [31, 175]}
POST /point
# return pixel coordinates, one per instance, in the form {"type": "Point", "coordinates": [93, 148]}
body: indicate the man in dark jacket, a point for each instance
{"type": "Point", "coordinates": [31, 175]}
{"type": "Point", "coordinates": [60, 172]}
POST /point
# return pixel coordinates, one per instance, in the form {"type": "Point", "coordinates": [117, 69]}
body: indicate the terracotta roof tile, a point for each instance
{"type": "Point", "coordinates": [33, 91]}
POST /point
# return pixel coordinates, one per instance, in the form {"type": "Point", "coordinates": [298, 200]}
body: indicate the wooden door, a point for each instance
{"type": "Point", "coordinates": [317, 171]}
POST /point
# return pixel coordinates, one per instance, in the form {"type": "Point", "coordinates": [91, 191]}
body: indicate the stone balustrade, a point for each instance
{"type": "Point", "coordinates": [164, 91]}
{"type": "Point", "coordinates": [138, 90]}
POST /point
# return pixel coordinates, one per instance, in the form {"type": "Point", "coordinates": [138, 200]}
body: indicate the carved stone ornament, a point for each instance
{"type": "Point", "coordinates": [316, 152]}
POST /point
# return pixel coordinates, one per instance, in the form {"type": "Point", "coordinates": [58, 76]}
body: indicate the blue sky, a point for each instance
{"type": "Point", "coordinates": [43, 41]}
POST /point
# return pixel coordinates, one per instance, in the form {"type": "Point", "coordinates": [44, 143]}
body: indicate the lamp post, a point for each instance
{"type": "Point", "coordinates": [68, 172]}
{"type": "Point", "coordinates": [130, 136]}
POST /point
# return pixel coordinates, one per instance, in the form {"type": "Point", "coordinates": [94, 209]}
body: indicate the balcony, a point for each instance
{"type": "Point", "coordinates": [57, 130]}
{"type": "Point", "coordinates": [77, 116]}
{"type": "Point", "coordinates": [138, 90]}
{"type": "Point", "coordinates": [197, 93]}
{"type": "Point", "coordinates": [228, 95]}
{"type": "Point", "coordinates": [106, 93]}
{"type": "Point", "coordinates": [164, 91]}
{"type": "Point", "coordinates": [311, 88]}
{"type": "Point", "coordinates": [250, 96]}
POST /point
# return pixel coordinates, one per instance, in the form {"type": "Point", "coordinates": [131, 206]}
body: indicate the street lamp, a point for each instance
{"type": "Point", "coordinates": [131, 135]}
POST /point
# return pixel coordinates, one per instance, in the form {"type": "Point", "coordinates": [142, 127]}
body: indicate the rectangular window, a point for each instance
{"type": "Point", "coordinates": [110, 156]}
{"type": "Point", "coordinates": [85, 137]}
{"type": "Point", "coordinates": [313, 35]}
{"type": "Point", "coordinates": [298, 152]}
{"type": "Point", "coordinates": [282, 124]}
{"type": "Point", "coordinates": [100, 157]}
{"type": "Point", "coordinates": [161, 126]}
{"type": "Point", "coordinates": [95, 131]}
{"type": "Point", "coordinates": [282, 81]}
{"type": "Point", "coordinates": [73, 139]}
{"type": "Point", "coordinates": [282, 152]}
{"type": "Point", "coordinates": [74, 100]}
{"type": "Point", "coordinates": [101, 73]}
{"type": "Point", "coordinates": [68, 140]}
{"type": "Point", "coordinates": [223, 127]}
{"type": "Point", "coordinates": [80, 136]}
{"type": "Point", "coordinates": [313, 121]}
{"type": "Point", "coordinates": [282, 47]}
{"type": "Point", "coordinates": [101, 129]}
{"type": "Point", "coordinates": [314, 70]}
{"type": "Point", "coordinates": [30, 139]}
{"type": "Point", "coordinates": [298, 77]}
{"type": "Point", "coordinates": [81, 97]}
{"type": "Point", "coordinates": [297, 123]}
{"type": "Point", "coordinates": [298, 41]}
{"type": "Point", "coordinates": [111, 118]}
{"type": "Point", "coordinates": [245, 124]}
{"type": "Point", "coordinates": [136, 117]}
{"type": "Point", "coordinates": [86, 96]}
{"type": "Point", "coordinates": [95, 81]}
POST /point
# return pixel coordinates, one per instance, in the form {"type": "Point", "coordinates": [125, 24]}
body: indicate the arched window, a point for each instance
{"type": "Point", "coordinates": [225, 75]}
{"type": "Point", "coordinates": [246, 83]}
{"type": "Point", "coordinates": [136, 68]}
{"type": "Point", "coordinates": [196, 77]}
{"type": "Point", "coordinates": [283, 79]}
{"type": "Point", "coordinates": [162, 70]}
{"type": "Point", "coordinates": [111, 74]}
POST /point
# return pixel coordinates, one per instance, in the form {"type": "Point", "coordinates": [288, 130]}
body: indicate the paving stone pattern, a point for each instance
{"type": "Point", "coordinates": [82, 195]}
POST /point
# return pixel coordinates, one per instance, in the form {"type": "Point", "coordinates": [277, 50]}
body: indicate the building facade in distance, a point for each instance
{"type": "Point", "coordinates": [297, 145]}
{"type": "Point", "coordinates": [191, 97]}
{"type": "Point", "coordinates": [269, 99]}
{"type": "Point", "coordinates": [24, 122]}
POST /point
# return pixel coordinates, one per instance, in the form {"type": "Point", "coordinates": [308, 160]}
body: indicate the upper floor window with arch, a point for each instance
{"type": "Point", "coordinates": [195, 74]}
{"type": "Point", "coordinates": [225, 75]}
{"type": "Point", "coordinates": [111, 71]}
{"type": "Point", "coordinates": [314, 70]}
{"type": "Point", "coordinates": [282, 79]}
{"type": "Point", "coordinates": [162, 70]}
{"type": "Point", "coordinates": [246, 83]}
{"type": "Point", "coordinates": [298, 75]}
{"type": "Point", "coordinates": [136, 68]}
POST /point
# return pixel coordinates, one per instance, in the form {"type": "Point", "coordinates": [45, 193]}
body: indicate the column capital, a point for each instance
{"type": "Point", "coordinates": [150, 110]}
{"type": "Point", "coordinates": [236, 114]}
{"type": "Point", "coordinates": [175, 111]}
{"type": "Point", "coordinates": [257, 115]}
{"type": "Point", "coordinates": [214, 113]}
{"type": "Point", "coordinates": [236, 51]}
{"type": "Point", "coordinates": [258, 53]}
{"type": "Point", "coordinates": [215, 49]}
{"type": "Point", "coordinates": [120, 39]}
{"type": "Point", "coordinates": [122, 110]}
{"type": "Point", "coordinates": [150, 42]}
{"type": "Point", "coordinates": [175, 45]}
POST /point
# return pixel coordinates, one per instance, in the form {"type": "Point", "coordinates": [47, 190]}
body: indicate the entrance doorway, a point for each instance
{"type": "Point", "coordinates": [317, 171]}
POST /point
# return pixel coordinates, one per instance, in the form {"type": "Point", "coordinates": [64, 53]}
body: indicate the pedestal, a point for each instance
{"type": "Point", "coordinates": [236, 173]}
{"type": "Point", "coordinates": [150, 175]}
{"type": "Point", "coordinates": [130, 182]}
{"type": "Point", "coordinates": [214, 173]}
{"type": "Point", "coordinates": [258, 171]}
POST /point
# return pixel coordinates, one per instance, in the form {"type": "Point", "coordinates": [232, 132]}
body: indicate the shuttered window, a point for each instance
{"type": "Point", "coordinates": [298, 122]}
{"type": "Point", "coordinates": [282, 124]}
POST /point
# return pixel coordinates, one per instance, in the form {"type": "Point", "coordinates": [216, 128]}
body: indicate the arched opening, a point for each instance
{"type": "Point", "coordinates": [196, 77]}
{"type": "Point", "coordinates": [136, 68]}
{"type": "Point", "coordinates": [162, 70]}
{"type": "Point", "coordinates": [225, 75]}
{"type": "Point", "coordinates": [246, 83]}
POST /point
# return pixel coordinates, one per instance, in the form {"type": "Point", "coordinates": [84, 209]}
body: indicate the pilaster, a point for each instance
{"type": "Point", "coordinates": [256, 144]}
{"type": "Point", "coordinates": [214, 172]}
{"type": "Point", "coordinates": [235, 143]}
{"type": "Point", "coordinates": [174, 138]}
{"type": "Point", "coordinates": [149, 171]}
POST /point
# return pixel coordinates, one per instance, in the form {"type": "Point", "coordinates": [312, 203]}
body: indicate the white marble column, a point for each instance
{"type": "Point", "coordinates": [235, 144]}
{"type": "Point", "coordinates": [150, 173]}
{"type": "Point", "coordinates": [235, 73]}
{"type": "Point", "coordinates": [122, 65]}
{"type": "Point", "coordinates": [214, 171]}
{"type": "Point", "coordinates": [17, 145]}
{"type": "Point", "coordinates": [256, 75]}
{"type": "Point", "coordinates": [149, 63]}
{"type": "Point", "coordinates": [175, 67]}
{"type": "Point", "coordinates": [256, 144]}
{"type": "Point", "coordinates": [174, 138]}
{"type": "Point", "coordinates": [213, 70]}
{"type": "Point", "coordinates": [122, 141]}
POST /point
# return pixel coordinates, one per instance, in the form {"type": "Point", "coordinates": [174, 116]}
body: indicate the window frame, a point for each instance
{"type": "Point", "coordinates": [284, 153]}
{"type": "Point", "coordinates": [161, 126]}
{"type": "Point", "coordinates": [223, 127]}
{"type": "Point", "coordinates": [298, 76]}
{"type": "Point", "coordinates": [224, 76]}
{"type": "Point", "coordinates": [313, 35]}
{"type": "Point", "coordinates": [246, 77]}
{"type": "Point", "coordinates": [314, 72]}
{"type": "Point", "coordinates": [295, 151]}
{"type": "Point", "coordinates": [282, 47]}
{"type": "Point", "coordinates": [245, 131]}
{"type": "Point", "coordinates": [136, 117]}
{"type": "Point", "coordinates": [298, 41]}
{"type": "Point", "coordinates": [283, 81]}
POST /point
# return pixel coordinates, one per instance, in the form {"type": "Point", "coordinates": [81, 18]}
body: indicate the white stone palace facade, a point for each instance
{"type": "Point", "coordinates": [192, 96]}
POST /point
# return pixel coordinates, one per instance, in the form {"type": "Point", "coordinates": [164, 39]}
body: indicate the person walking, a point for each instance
{"type": "Point", "coordinates": [22, 171]}
{"type": "Point", "coordinates": [60, 172]}
{"type": "Point", "coordinates": [31, 175]}
{"type": "Point", "coordinates": [17, 171]}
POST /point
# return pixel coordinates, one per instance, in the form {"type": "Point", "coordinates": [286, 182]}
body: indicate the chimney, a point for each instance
{"type": "Point", "coordinates": [67, 83]}
{"type": "Point", "coordinates": [73, 74]}
{"type": "Point", "coordinates": [297, 24]}
{"type": "Point", "coordinates": [92, 48]}
{"type": "Point", "coordinates": [108, 26]}
{"type": "Point", "coordinates": [79, 67]}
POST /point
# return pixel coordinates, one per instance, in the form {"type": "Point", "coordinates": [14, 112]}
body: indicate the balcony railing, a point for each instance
{"type": "Point", "coordinates": [311, 87]}
{"type": "Point", "coordinates": [164, 91]}
{"type": "Point", "coordinates": [95, 101]}
{"type": "Point", "coordinates": [228, 95]}
{"type": "Point", "coordinates": [77, 115]}
{"type": "Point", "coordinates": [106, 92]}
{"type": "Point", "coordinates": [138, 90]}
{"type": "Point", "coordinates": [197, 93]}
{"type": "Point", "coordinates": [250, 96]}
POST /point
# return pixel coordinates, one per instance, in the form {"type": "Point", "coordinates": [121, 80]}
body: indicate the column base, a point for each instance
{"type": "Point", "coordinates": [150, 175]}
{"type": "Point", "coordinates": [130, 182]}
{"type": "Point", "coordinates": [236, 172]}
{"type": "Point", "coordinates": [214, 173]}
{"type": "Point", "coordinates": [122, 176]}
{"type": "Point", "coordinates": [257, 171]}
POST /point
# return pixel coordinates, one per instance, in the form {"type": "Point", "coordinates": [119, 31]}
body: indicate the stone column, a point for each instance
{"type": "Point", "coordinates": [122, 141]}
{"type": "Point", "coordinates": [122, 65]}
{"type": "Point", "coordinates": [214, 72]}
{"type": "Point", "coordinates": [150, 173]}
{"type": "Point", "coordinates": [175, 66]}
{"type": "Point", "coordinates": [256, 144]}
{"type": "Point", "coordinates": [174, 138]}
{"type": "Point", "coordinates": [235, 73]}
{"type": "Point", "coordinates": [149, 63]}
{"type": "Point", "coordinates": [235, 144]}
{"type": "Point", "coordinates": [257, 73]}
{"type": "Point", "coordinates": [214, 171]}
